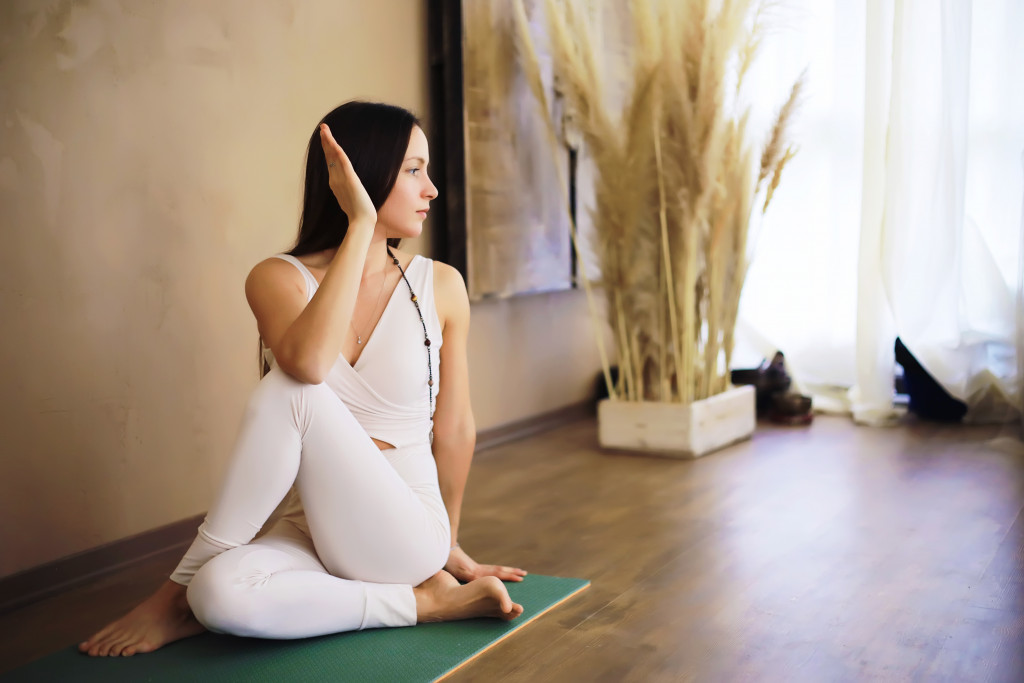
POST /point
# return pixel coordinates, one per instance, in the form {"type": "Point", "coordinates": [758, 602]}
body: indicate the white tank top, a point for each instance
{"type": "Point", "coordinates": [386, 389]}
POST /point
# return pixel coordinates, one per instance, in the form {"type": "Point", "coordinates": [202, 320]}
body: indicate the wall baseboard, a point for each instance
{"type": "Point", "coordinates": [489, 438]}
{"type": "Point", "coordinates": [47, 580]}
{"type": "Point", "coordinates": [70, 572]}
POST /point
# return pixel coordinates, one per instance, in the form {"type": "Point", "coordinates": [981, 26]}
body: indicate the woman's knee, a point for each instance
{"type": "Point", "coordinates": [277, 385]}
{"type": "Point", "coordinates": [279, 391]}
{"type": "Point", "coordinates": [223, 593]}
{"type": "Point", "coordinates": [210, 597]}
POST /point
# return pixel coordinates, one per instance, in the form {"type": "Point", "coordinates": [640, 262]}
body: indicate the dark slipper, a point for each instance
{"type": "Point", "coordinates": [768, 379]}
{"type": "Point", "coordinates": [791, 409]}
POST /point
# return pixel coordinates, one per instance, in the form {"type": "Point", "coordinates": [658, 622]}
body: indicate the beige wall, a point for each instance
{"type": "Point", "coordinates": [150, 154]}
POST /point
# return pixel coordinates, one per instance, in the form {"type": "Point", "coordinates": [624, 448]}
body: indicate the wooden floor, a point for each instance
{"type": "Point", "coordinates": [829, 553]}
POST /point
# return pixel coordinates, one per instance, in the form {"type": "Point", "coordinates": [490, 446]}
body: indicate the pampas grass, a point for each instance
{"type": "Point", "coordinates": [678, 176]}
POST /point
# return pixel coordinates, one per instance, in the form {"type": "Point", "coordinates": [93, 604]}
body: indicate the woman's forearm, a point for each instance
{"type": "Point", "coordinates": [310, 346]}
{"type": "Point", "coordinates": [453, 455]}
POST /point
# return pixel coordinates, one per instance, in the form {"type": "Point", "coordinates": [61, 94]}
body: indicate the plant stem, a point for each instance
{"type": "Point", "coordinates": [626, 358]}
{"type": "Point", "coordinates": [666, 256]}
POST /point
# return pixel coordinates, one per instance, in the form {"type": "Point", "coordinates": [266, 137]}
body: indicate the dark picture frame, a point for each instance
{"type": "Point", "coordinates": [501, 254]}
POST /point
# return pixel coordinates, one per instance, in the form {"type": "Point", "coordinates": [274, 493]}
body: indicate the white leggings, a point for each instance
{"type": "Point", "coordinates": [376, 518]}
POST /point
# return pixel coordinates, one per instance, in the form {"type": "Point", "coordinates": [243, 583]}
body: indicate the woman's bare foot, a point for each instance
{"type": "Point", "coordinates": [443, 598]}
{"type": "Point", "coordinates": [161, 618]}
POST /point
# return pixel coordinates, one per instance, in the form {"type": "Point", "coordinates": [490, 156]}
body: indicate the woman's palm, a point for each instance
{"type": "Point", "coordinates": [348, 189]}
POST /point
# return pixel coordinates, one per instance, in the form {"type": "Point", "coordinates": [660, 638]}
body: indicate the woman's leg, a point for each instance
{"type": "Point", "coordinates": [366, 521]}
{"type": "Point", "coordinates": [276, 587]}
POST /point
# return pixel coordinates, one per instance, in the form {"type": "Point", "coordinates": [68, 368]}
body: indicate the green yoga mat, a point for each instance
{"type": "Point", "coordinates": [423, 653]}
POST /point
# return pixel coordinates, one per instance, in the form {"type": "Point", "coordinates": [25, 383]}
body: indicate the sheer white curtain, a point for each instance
{"type": "Point", "coordinates": [902, 215]}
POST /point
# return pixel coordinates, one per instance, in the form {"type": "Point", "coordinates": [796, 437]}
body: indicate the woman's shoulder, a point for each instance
{"type": "Point", "coordinates": [272, 273]}
{"type": "Point", "coordinates": [450, 297]}
{"type": "Point", "coordinates": [289, 266]}
{"type": "Point", "coordinates": [447, 279]}
{"type": "Point", "coordinates": [275, 267]}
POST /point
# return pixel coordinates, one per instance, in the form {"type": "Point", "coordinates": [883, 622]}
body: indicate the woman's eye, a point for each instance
{"type": "Point", "coordinates": [414, 171]}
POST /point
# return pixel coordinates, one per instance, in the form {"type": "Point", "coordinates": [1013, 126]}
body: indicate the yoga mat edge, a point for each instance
{"type": "Point", "coordinates": [518, 628]}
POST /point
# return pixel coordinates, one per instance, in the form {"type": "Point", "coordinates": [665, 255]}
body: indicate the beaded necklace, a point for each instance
{"type": "Point", "coordinates": [426, 342]}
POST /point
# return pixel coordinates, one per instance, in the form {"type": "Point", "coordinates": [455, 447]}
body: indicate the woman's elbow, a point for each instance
{"type": "Point", "coordinates": [310, 376]}
{"type": "Point", "coordinates": [463, 434]}
{"type": "Point", "coordinates": [304, 368]}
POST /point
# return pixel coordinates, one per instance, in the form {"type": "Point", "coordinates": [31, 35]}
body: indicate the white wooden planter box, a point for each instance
{"type": "Point", "coordinates": [678, 429]}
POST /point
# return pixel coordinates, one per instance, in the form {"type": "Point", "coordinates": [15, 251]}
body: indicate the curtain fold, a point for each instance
{"type": "Point", "coordinates": [912, 254]}
{"type": "Point", "coordinates": [939, 241]}
{"type": "Point", "coordinates": [871, 397]}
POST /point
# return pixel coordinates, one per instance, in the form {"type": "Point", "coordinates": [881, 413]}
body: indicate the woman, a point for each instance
{"type": "Point", "coordinates": [356, 490]}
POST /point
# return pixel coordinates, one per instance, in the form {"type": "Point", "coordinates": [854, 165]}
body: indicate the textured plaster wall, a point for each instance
{"type": "Point", "coordinates": [150, 154]}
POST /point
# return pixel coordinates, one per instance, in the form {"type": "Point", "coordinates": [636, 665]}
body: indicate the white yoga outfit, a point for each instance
{"type": "Point", "coordinates": [351, 528]}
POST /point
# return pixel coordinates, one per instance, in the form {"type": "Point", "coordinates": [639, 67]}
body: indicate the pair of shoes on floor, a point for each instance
{"type": "Point", "coordinates": [774, 401]}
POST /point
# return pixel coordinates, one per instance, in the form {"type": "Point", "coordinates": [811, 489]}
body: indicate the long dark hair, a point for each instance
{"type": "Point", "coordinates": [375, 137]}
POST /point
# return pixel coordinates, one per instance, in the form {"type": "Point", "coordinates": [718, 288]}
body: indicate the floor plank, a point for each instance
{"type": "Point", "coordinates": [828, 553]}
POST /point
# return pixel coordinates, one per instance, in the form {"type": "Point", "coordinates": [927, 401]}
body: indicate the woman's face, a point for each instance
{"type": "Point", "coordinates": [405, 208]}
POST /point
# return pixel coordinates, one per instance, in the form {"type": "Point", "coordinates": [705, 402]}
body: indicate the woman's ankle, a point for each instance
{"type": "Point", "coordinates": [173, 595]}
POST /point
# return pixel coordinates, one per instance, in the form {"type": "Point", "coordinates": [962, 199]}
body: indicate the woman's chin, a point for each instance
{"type": "Point", "coordinates": [405, 232]}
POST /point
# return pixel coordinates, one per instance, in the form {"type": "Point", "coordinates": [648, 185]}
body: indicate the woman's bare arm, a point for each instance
{"type": "Point", "coordinates": [454, 427]}
{"type": "Point", "coordinates": [307, 339]}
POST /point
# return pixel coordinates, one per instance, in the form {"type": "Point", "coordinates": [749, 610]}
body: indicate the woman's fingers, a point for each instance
{"type": "Point", "coordinates": [508, 570]}
{"type": "Point", "coordinates": [465, 569]}
{"type": "Point", "coordinates": [343, 180]}
{"type": "Point", "coordinates": [332, 150]}
{"type": "Point", "coordinates": [327, 138]}
{"type": "Point", "coordinates": [503, 573]}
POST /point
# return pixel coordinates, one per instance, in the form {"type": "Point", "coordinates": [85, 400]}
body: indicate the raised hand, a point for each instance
{"type": "Point", "coordinates": [465, 569]}
{"type": "Point", "coordinates": [348, 189]}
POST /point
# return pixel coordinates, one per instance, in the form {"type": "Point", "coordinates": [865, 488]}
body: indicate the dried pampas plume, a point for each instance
{"type": "Point", "coordinates": [677, 178]}
{"type": "Point", "coordinates": [773, 153]}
